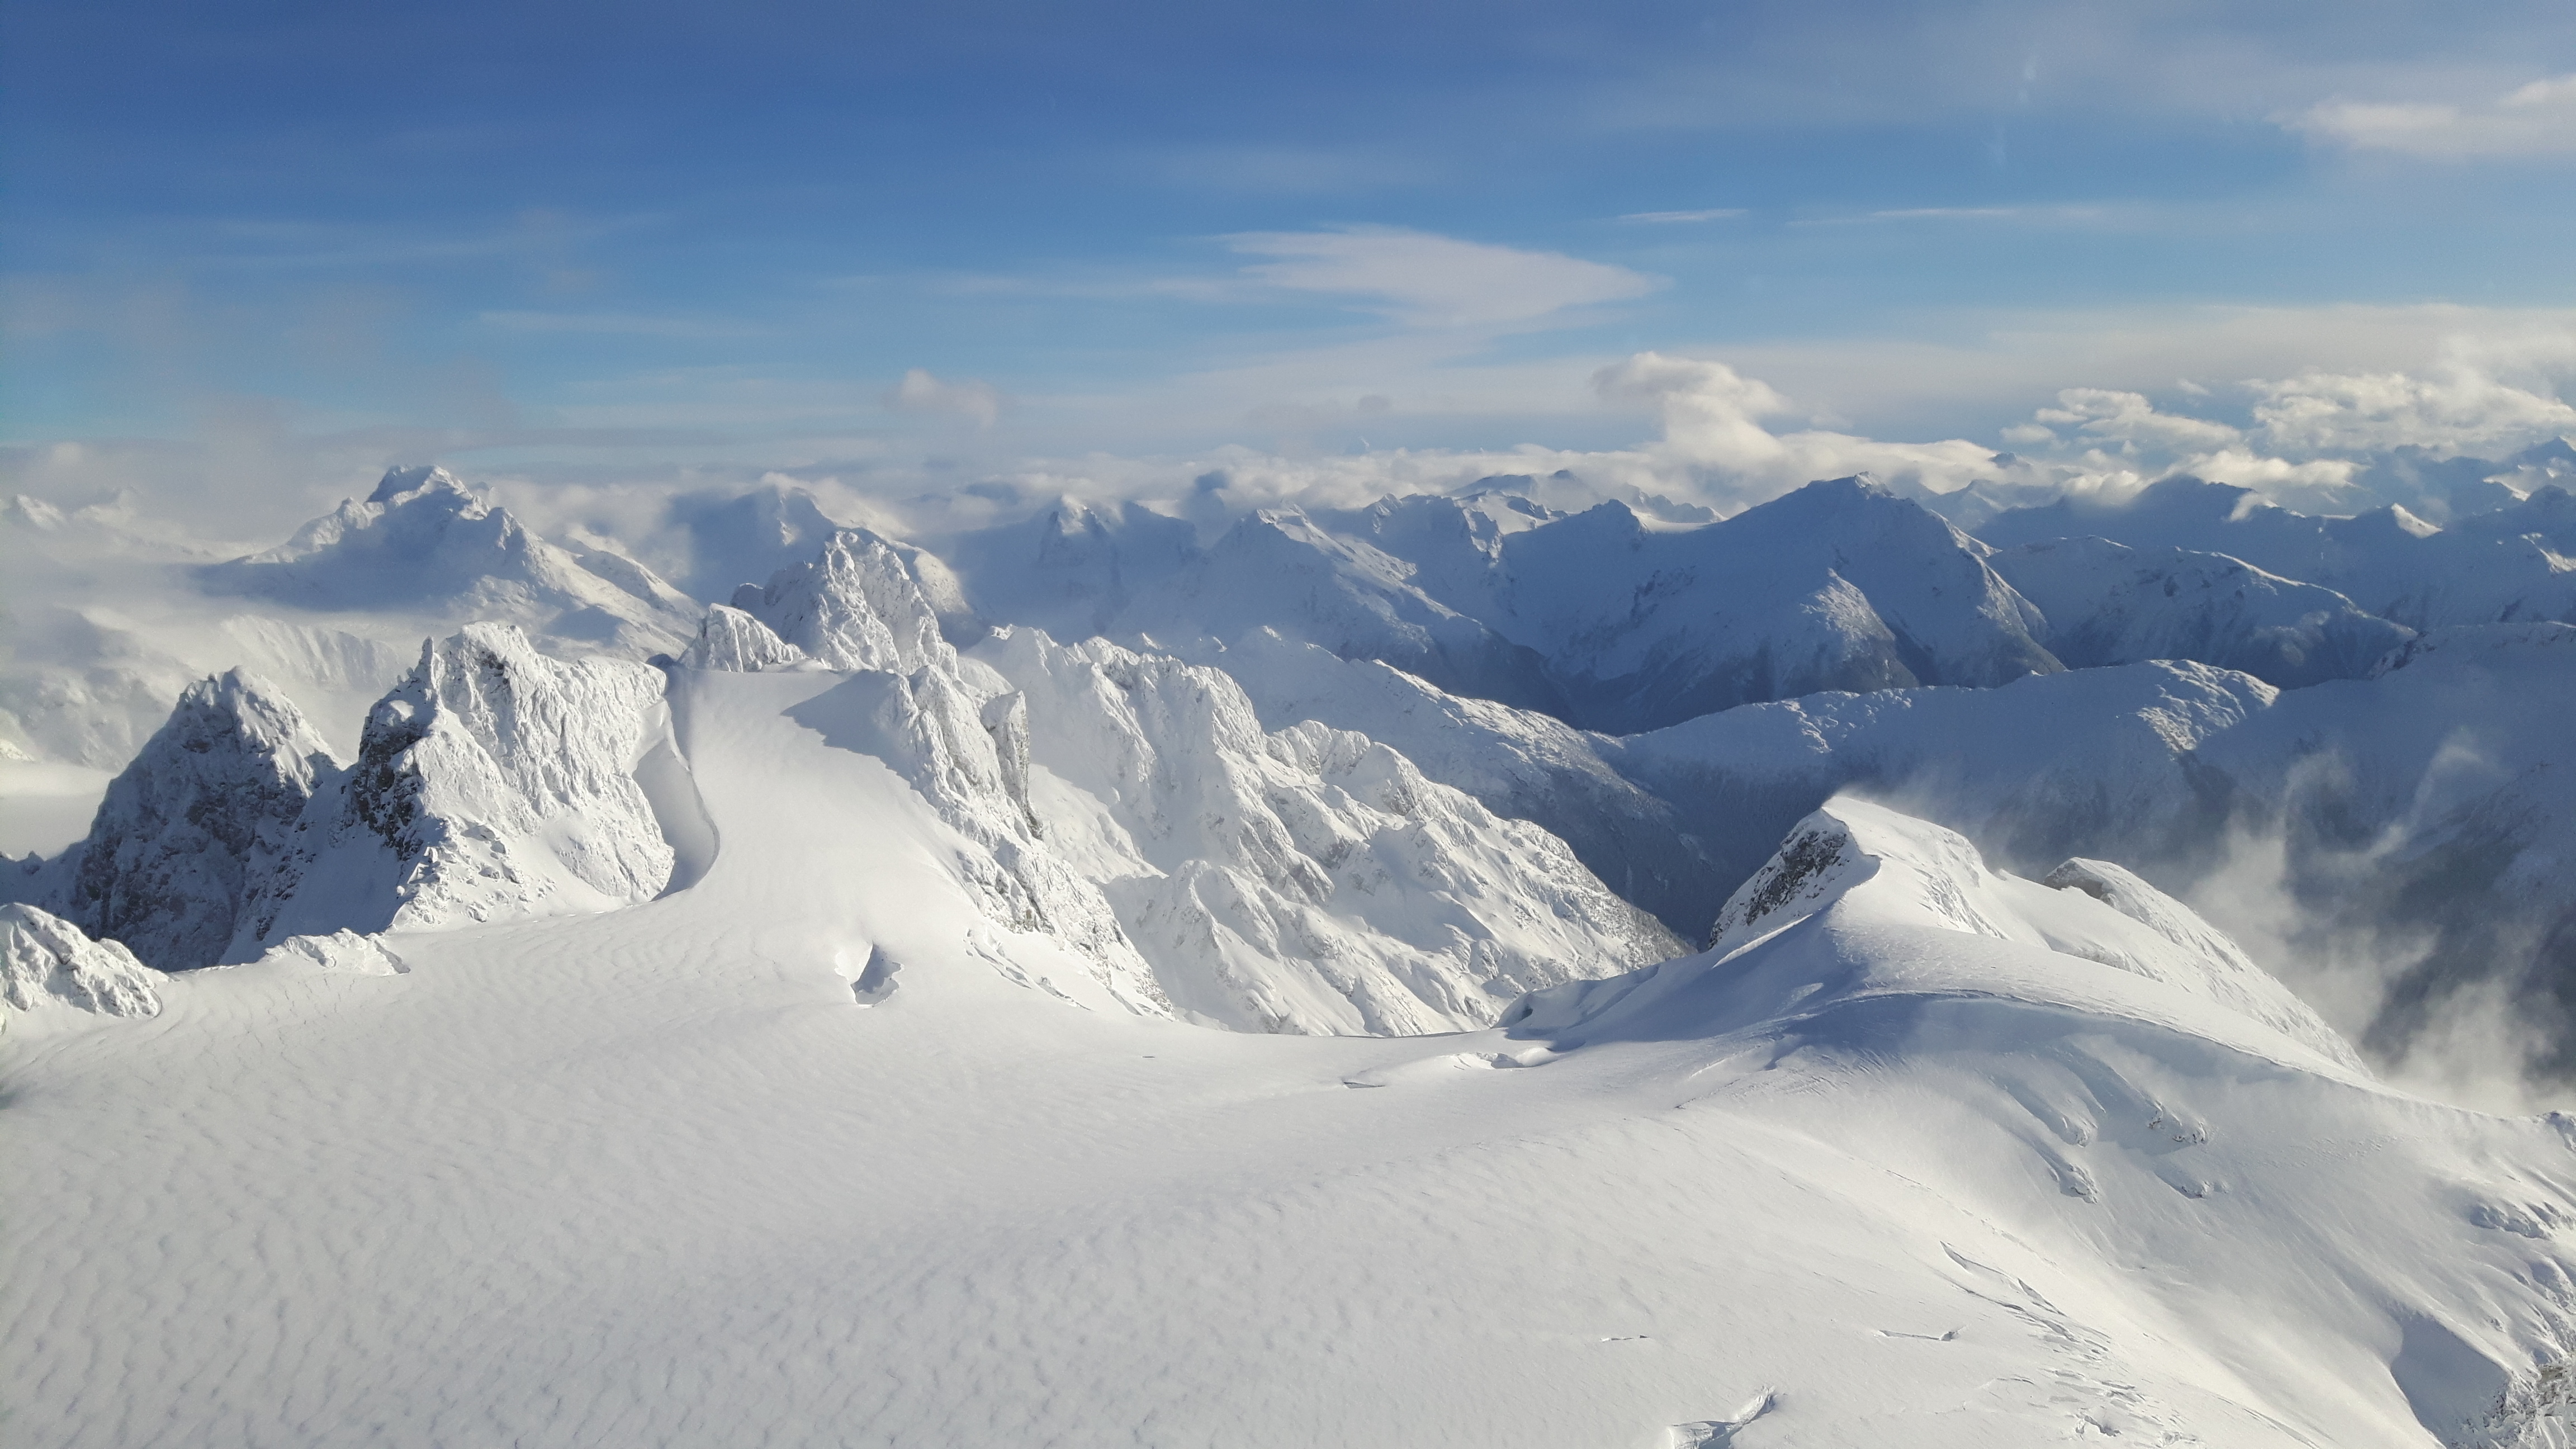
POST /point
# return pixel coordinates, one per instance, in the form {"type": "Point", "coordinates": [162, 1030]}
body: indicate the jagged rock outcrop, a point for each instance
{"type": "Point", "coordinates": [730, 639]}
{"type": "Point", "coordinates": [49, 967]}
{"type": "Point", "coordinates": [197, 824]}
{"type": "Point", "coordinates": [492, 782]}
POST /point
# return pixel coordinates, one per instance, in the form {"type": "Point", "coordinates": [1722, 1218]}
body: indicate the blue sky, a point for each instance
{"type": "Point", "coordinates": [594, 238]}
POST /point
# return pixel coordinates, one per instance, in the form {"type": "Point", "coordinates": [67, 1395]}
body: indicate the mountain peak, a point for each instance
{"type": "Point", "coordinates": [403, 484]}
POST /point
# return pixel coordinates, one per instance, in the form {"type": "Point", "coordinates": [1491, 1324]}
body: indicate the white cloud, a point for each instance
{"type": "Point", "coordinates": [2533, 120]}
{"type": "Point", "coordinates": [1714, 437]}
{"type": "Point", "coordinates": [2458, 407]}
{"type": "Point", "coordinates": [970, 398]}
{"type": "Point", "coordinates": [1432, 281]}
{"type": "Point", "coordinates": [2127, 417]}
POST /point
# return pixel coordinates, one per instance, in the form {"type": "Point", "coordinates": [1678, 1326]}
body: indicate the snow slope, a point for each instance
{"type": "Point", "coordinates": [50, 969]}
{"type": "Point", "coordinates": [808, 1153]}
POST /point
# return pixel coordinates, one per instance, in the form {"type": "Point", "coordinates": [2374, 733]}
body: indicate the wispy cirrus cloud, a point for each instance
{"type": "Point", "coordinates": [2538, 119]}
{"type": "Point", "coordinates": [1426, 280]}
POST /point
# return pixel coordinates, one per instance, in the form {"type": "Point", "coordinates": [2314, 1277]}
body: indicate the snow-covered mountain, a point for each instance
{"type": "Point", "coordinates": [2511, 564]}
{"type": "Point", "coordinates": [1134, 806]}
{"type": "Point", "coordinates": [197, 828]}
{"type": "Point", "coordinates": [2107, 603]}
{"type": "Point", "coordinates": [1308, 879]}
{"type": "Point", "coordinates": [1922, 1154]}
{"type": "Point", "coordinates": [1602, 618]}
{"type": "Point", "coordinates": [836, 986]}
{"type": "Point", "coordinates": [492, 782]}
{"type": "Point", "coordinates": [425, 545]}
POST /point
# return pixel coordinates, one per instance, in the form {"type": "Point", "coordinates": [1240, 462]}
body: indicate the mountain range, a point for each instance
{"type": "Point", "coordinates": [1091, 970]}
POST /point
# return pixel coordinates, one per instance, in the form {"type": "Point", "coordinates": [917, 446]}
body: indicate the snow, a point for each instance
{"type": "Point", "coordinates": [635, 1174]}
{"type": "Point", "coordinates": [492, 782]}
{"type": "Point", "coordinates": [1305, 880]}
{"type": "Point", "coordinates": [1603, 618]}
{"type": "Point", "coordinates": [1134, 807]}
{"type": "Point", "coordinates": [49, 967]}
{"type": "Point", "coordinates": [728, 638]}
{"type": "Point", "coordinates": [192, 830]}
{"type": "Point", "coordinates": [2508, 566]}
{"type": "Point", "coordinates": [808, 1039]}
{"type": "Point", "coordinates": [2110, 604]}
{"type": "Point", "coordinates": [425, 544]}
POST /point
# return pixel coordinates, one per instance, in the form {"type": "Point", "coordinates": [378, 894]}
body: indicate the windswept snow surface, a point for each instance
{"type": "Point", "coordinates": [814, 1153]}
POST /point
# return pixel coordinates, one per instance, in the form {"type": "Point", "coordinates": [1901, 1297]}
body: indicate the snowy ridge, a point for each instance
{"type": "Point", "coordinates": [1305, 880]}
{"type": "Point", "coordinates": [1133, 806]}
{"type": "Point", "coordinates": [426, 544]}
{"type": "Point", "coordinates": [2110, 604]}
{"type": "Point", "coordinates": [492, 782]}
{"type": "Point", "coordinates": [2090, 761]}
{"type": "Point", "coordinates": [1860, 869]}
{"type": "Point", "coordinates": [1601, 618]}
{"type": "Point", "coordinates": [2499, 567]}
{"type": "Point", "coordinates": [730, 639]}
{"type": "Point", "coordinates": [48, 967]}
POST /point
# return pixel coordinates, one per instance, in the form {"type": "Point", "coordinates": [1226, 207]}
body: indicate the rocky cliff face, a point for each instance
{"type": "Point", "coordinates": [197, 824]}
